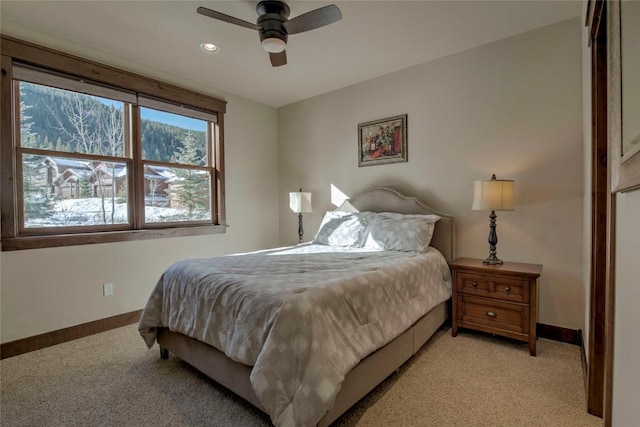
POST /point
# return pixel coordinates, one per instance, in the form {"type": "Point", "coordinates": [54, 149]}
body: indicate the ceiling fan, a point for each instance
{"type": "Point", "coordinates": [274, 25]}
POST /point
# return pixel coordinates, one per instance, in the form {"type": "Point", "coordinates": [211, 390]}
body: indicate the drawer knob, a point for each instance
{"type": "Point", "coordinates": [474, 284]}
{"type": "Point", "coordinates": [491, 314]}
{"type": "Point", "coordinates": [507, 289]}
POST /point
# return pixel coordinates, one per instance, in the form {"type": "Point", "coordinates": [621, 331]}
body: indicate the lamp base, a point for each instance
{"type": "Point", "coordinates": [300, 229]}
{"type": "Point", "coordinates": [493, 241]}
{"type": "Point", "coordinates": [492, 260]}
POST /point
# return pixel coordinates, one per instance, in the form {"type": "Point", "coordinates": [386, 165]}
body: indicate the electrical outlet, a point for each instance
{"type": "Point", "coordinates": [107, 289]}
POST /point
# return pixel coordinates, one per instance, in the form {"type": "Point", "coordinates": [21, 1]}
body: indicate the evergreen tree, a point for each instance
{"type": "Point", "coordinates": [191, 189]}
{"type": "Point", "coordinates": [85, 187]}
{"type": "Point", "coordinates": [27, 136]}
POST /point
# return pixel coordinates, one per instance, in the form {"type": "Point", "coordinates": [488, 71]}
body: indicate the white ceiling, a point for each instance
{"type": "Point", "coordinates": [161, 39]}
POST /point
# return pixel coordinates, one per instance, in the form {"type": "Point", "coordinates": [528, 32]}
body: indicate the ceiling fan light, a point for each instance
{"type": "Point", "coordinates": [273, 45]}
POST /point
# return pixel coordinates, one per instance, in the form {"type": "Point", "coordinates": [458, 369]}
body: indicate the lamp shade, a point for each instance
{"type": "Point", "coordinates": [493, 195]}
{"type": "Point", "coordinates": [300, 202]}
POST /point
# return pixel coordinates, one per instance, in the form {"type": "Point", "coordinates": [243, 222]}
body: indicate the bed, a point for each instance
{"type": "Point", "coordinates": [291, 330]}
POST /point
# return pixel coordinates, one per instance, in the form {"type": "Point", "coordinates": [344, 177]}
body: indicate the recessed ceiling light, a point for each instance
{"type": "Point", "coordinates": [209, 47]}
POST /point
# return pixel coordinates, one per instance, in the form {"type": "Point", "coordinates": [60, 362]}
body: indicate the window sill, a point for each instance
{"type": "Point", "coordinates": [39, 242]}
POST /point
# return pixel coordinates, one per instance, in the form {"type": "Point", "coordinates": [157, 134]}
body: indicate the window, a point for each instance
{"type": "Point", "coordinates": [71, 151]}
{"type": "Point", "coordinates": [176, 152]}
{"type": "Point", "coordinates": [87, 161]}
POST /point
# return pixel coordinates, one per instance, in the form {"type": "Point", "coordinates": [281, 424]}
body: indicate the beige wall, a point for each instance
{"type": "Point", "coordinates": [48, 289]}
{"type": "Point", "coordinates": [513, 108]}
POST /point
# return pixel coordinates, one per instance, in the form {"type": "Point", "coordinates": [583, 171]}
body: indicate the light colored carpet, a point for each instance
{"type": "Point", "coordinates": [111, 379]}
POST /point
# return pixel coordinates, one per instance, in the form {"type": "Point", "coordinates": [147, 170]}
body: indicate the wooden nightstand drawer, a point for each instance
{"type": "Point", "coordinates": [504, 288]}
{"type": "Point", "coordinates": [494, 314]}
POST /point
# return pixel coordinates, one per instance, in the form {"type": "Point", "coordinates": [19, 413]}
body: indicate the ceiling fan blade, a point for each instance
{"type": "Point", "coordinates": [314, 19]}
{"type": "Point", "coordinates": [226, 18]}
{"type": "Point", "coordinates": [278, 59]}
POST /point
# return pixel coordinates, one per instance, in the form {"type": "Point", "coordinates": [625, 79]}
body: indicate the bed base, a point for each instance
{"type": "Point", "coordinates": [363, 378]}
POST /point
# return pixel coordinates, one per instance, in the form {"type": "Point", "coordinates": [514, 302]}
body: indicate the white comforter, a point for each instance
{"type": "Point", "coordinates": [303, 317]}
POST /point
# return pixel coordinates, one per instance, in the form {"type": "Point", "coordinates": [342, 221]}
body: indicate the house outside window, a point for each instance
{"type": "Point", "coordinates": [87, 161]}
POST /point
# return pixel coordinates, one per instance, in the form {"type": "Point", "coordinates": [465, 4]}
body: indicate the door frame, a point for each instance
{"type": "Point", "coordinates": [599, 212]}
{"type": "Point", "coordinates": [603, 199]}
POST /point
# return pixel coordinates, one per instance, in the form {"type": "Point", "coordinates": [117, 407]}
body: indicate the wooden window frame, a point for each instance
{"type": "Point", "coordinates": [18, 51]}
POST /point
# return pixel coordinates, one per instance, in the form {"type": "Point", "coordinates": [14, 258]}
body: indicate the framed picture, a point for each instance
{"type": "Point", "coordinates": [382, 141]}
{"type": "Point", "coordinates": [624, 95]}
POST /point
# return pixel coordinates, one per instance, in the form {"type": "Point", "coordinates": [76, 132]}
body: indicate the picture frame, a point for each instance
{"type": "Point", "coordinates": [382, 141]}
{"type": "Point", "coordinates": [624, 138]}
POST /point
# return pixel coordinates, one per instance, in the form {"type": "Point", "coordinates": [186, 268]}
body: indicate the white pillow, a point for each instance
{"type": "Point", "coordinates": [396, 232]}
{"type": "Point", "coordinates": [343, 228]}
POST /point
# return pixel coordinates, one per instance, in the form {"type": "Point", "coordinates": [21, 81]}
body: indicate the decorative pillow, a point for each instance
{"type": "Point", "coordinates": [396, 232]}
{"type": "Point", "coordinates": [343, 228]}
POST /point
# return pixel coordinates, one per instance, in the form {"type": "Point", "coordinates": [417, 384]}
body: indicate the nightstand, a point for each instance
{"type": "Point", "coordinates": [498, 299]}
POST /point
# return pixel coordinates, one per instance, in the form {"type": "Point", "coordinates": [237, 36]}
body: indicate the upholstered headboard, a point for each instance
{"type": "Point", "coordinates": [383, 199]}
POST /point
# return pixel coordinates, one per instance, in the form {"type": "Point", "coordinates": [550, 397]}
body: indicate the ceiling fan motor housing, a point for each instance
{"type": "Point", "coordinates": [272, 15]}
{"type": "Point", "coordinates": [273, 24]}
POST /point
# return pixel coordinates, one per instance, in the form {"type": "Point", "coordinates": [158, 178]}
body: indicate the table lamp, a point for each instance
{"type": "Point", "coordinates": [493, 195]}
{"type": "Point", "coordinates": [300, 202]}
